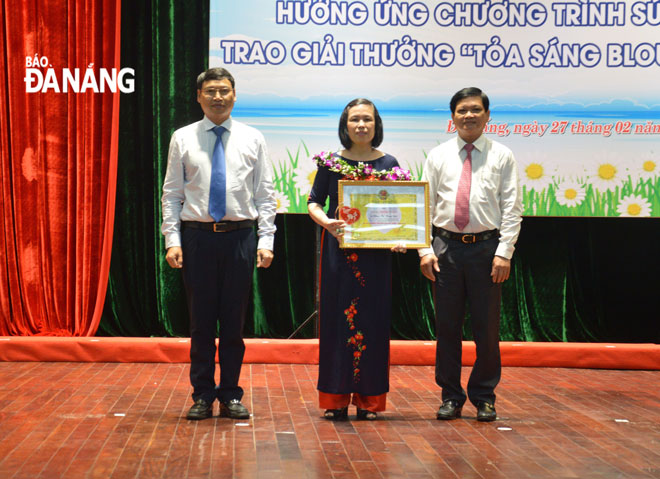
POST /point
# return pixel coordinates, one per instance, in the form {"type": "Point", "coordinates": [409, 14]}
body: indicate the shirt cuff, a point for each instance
{"type": "Point", "coordinates": [424, 251]}
{"type": "Point", "coordinates": [172, 239]}
{"type": "Point", "coordinates": [505, 250]}
{"type": "Point", "coordinates": [266, 242]}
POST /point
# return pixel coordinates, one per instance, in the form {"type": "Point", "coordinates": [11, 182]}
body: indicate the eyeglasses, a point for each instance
{"type": "Point", "coordinates": [212, 92]}
{"type": "Point", "coordinates": [465, 111]}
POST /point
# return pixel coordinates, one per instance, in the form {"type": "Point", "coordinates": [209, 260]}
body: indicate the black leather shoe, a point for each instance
{"type": "Point", "coordinates": [486, 412]}
{"type": "Point", "coordinates": [234, 409]}
{"type": "Point", "coordinates": [450, 409]}
{"type": "Point", "coordinates": [200, 410]}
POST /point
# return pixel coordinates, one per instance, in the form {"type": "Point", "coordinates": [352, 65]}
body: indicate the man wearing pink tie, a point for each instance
{"type": "Point", "coordinates": [476, 207]}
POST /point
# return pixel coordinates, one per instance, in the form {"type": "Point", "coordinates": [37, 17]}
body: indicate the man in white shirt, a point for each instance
{"type": "Point", "coordinates": [217, 188]}
{"type": "Point", "coordinates": [476, 207]}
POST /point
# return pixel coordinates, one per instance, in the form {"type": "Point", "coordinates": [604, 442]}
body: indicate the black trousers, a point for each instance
{"type": "Point", "coordinates": [217, 274]}
{"type": "Point", "coordinates": [465, 277]}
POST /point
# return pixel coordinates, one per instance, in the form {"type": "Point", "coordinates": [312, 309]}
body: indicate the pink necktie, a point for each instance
{"type": "Point", "coordinates": [462, 214]}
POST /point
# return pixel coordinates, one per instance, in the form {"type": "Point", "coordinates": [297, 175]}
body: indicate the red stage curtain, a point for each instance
{"type": "Point", "coordinates": [58, 166]}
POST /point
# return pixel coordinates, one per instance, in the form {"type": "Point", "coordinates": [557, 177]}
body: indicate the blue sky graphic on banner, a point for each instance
{"type": "Point", "coordinates": [573, 88]}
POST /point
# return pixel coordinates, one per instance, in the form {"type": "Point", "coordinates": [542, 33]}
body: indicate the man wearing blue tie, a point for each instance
{"type": "Point", "coordinates": [217, 188]}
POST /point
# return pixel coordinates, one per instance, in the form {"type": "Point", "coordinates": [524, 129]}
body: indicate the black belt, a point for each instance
{"type": "Point", "coordinates": [466, 238]}
{"type": "Point", "coordinates": [221, 227]}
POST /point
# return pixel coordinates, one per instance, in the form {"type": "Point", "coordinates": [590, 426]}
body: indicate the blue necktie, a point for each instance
{"type": "Point", "coordinates": [218, 190]}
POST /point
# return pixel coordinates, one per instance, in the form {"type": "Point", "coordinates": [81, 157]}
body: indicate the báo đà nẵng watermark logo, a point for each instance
{"type": "Point", "coordinates": [41, 77]}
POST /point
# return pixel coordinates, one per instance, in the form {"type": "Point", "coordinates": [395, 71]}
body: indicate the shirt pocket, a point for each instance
{"type": "Point", "coordinates": [239, 177]}
{"type": "Point", "coordinates": [489, 186]}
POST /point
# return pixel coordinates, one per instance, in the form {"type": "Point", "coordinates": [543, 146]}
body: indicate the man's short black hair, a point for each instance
{"type": "Point", "coordinates": [214, 74]}
{"type": "Point", "coordinates": [465, 93]}
{"type": "Point", "coordinates": [343, 124]}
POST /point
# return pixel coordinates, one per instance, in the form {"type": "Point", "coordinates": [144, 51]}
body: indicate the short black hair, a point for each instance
{"type": "Point", "coordinates": [214, 74]}
{"type": "Point", "coordinates": [343, 124]}
{"type": "Point", "coordinates": [466, 93]}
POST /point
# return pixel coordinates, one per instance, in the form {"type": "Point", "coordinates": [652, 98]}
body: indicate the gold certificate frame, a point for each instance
{"type": "Point", "coordinates": [382, 214]}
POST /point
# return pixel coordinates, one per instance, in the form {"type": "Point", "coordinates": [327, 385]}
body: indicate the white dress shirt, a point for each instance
{"type": "Point", "coordinates": [250, 193]}
{"type": "Point", "coordinates": [495, 197]}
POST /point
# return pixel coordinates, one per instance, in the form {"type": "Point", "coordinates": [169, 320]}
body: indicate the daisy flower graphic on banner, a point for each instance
{"type": "Point", "coordinates": [606, 173]}
{"type": "Point", "coordinates": [536, 173]}
{"type": "Point", "coordinates": [634, 206]}
{"type": "Point", "coordinates": [647, 167]}
{"type": "Point", "coordinates": [304, 176]}
{"type": "Point", "coordinates": [283, 202]}
{"type": "Point", "coordinates": [570, 193]}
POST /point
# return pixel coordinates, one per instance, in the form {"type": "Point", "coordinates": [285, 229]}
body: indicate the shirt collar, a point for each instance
{"type": "Point", "coordinates": [209, 125]}
{"type": "Point", "coordinates": [479, 143]}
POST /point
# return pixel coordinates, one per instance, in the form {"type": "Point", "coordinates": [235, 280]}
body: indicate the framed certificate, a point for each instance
{"type": "Point", "coordinates": [382, 214]}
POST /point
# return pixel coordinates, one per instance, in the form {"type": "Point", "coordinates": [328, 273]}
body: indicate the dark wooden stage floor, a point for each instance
{"type": "Point", "coordinates": [123, 420]}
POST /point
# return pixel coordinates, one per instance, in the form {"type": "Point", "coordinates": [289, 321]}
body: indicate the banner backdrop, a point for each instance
{"type": "Point", "coordinates": [573, 88]}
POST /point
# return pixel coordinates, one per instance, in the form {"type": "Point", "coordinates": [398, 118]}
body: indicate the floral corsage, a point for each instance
{"type": "Point", "coordinates": [363, 171]}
